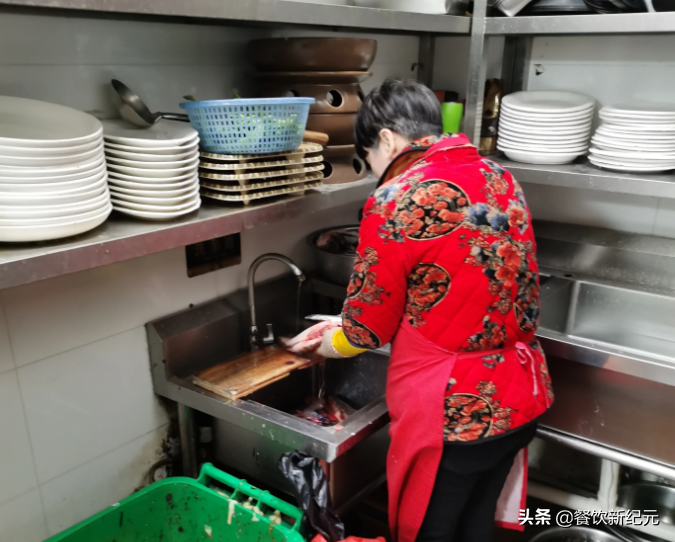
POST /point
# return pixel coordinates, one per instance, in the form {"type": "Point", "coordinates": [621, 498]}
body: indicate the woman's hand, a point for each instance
{"type": "Point", "coordinates": [321, 341]}
{"type": "Point", "coordinates": [309, 341]}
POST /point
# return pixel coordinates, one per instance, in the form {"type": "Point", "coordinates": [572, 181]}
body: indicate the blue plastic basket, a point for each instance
{"type": "Point", "coordinates": [254, 126]}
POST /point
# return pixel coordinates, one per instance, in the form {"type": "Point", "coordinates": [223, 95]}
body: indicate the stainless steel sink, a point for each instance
{"type": "Point", "coordinates": [252, 433]}
{"type": "Point", "coordinates": [619, 328]}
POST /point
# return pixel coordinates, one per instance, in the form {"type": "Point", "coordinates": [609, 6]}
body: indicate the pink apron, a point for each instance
{"type": "Point", "coordinates": [418, 377]}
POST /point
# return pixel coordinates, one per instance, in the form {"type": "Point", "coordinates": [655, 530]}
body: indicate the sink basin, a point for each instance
{"type": "Point", "coordinates": [618, 328]}
{"type": "Point", "coordinates": [252, 433]}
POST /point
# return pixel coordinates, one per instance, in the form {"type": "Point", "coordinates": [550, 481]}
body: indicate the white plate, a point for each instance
{"type": "Point", "coordinates": [35, 124]}
{"type": "Point", "coordinates": [54, 188]}
{"type": "Point", "coordinates": [8, 162]}
{"type": "Point", "coordinates": [193, 162]}
{"type": "Point", "coordinates": [548, 101]}
{"type": "Point", "coordinates": [84, 174]}
{"type": "Point", "coordinates": [151, 180]}
{"type": "Point", "coordinates": [190, 154]}
{"type": "Point", "coordinates": [634, 156]}
{"type": "Point", "coordinates": [163, 134]}
{"type": "Point", "coordinates": [544, 141]}
{"type": "Point", "coordinates": [158, 216]}
{"type": "Point", "coordinates": [430, 7]}
{"type": "Point", "coordinates": [506, 120]}
{"type": "Point", "coordinates": [617, 144]}
{"type": "Point", "coordinates": [550, 133]}
{"type": "Point", "coordinates": [168, 151]}
{"type": "Point", "coordinates": [613, 132]}
{"type": "Point", "coordinates": [172, 201]}
{"type": "Point", "coordinates": [503, 146]}
{"type": "Point", "coordinates": [155, 208]}
{"type": "Point", "coordinates": [581, 115]}
{"type": "Point", "coordinates": [157, 194]}
{"type": "Point", "coordinates": [547, 117]}
{"type": "Point", "coordinates": [39, 200]}
{"type": "Point", "coordinates": [159, 174]}
{"type": "Point", "coordinates": [647, 129]}
{"type": "Point", "coordinates": [47, 211]}
{"type": "Point", "coordinates": [52, 171]}
{"type": "Point", "coordinates": [26, 234]}
{"type": "Point", "coordinates": [621, 121]}
{"type": "Point", "coordinates": [155, 187]}
{"type": "Point", "coordinates": [632, 162]}
{"type": "Point", "coordinates": [629, 168]}
{"type": "Point", "coordinates": [641, 109]}
{"type": "Point", "coordinates": [55, 221]}
{"type": "Point", "coordinates": [542, 158]}
{"type": "Point", "coordinates": [49, 151]}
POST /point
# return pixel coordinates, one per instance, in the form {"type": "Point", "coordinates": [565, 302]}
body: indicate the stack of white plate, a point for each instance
{"type": "Point", "coordinates": [638, 138]}
{"type": "Point", "coordinates": [152, 172]}
{"type": "Point", "coordinates": [545, 126]}
{"type": "Point", "coordinates": [52, 171]}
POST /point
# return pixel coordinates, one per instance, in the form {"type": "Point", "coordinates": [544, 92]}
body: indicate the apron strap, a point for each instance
{"type": "Point", "coordinates": [525, 356]}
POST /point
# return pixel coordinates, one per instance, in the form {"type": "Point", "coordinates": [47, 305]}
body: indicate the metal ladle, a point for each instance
{"type": "Point", "coordinates": [133, 110]}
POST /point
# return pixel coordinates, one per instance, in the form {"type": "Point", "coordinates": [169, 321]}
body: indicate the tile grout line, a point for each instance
{"type": "Point", "coordinates": [3, 316]}
{"type": "Point", "coordinates": [32, 449]}
{"type": "Point", "coordinates": [18, 367]}
{"type": "Point", "coordinates": [656, 216]}
{"type": "Point", "coordinates": [40, 484]}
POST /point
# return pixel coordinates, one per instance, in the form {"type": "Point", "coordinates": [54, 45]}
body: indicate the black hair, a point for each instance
{"type": "Point", "coordinates": [406, 107]}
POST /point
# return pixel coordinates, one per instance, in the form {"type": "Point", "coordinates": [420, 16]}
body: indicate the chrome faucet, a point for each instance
{"type": "Point", "coordinates": [269, 339]}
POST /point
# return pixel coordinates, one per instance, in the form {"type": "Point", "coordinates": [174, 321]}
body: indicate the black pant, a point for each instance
{"type": "Point", "coordinates": [469, 482]}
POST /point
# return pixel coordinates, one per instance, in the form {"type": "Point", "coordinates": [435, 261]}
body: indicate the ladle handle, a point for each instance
{"type": "Point", "coordinates": [175, 116]}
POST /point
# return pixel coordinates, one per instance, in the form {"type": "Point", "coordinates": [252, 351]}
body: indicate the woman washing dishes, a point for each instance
{"type": "Point", "coordinates": [446, 270]}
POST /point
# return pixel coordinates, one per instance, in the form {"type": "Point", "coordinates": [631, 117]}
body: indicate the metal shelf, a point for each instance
{"type": "Point", "coordinates": [265, 11]}
{"type": "Point", "coordinates": [630, 23]}
{"type": "Point", "coordinates": [123, 238]}
{"type": "Point", "coordinates": [583, 174]}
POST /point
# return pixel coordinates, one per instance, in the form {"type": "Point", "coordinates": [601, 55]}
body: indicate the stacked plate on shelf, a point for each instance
{"type": "Point", "coordinates": [247, 178]}
{"type": "Point", "coordinates": [152, 172]}
{"type": "Point", "coordinates": [639, 138]}
{"type": "Point", "coordinates": [544, 126]}
{"type": "Point", "coordinates": [52, 171]}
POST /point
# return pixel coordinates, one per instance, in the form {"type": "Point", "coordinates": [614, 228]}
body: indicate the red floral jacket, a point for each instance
{"type": "Point", "coordinates": [446, 242]}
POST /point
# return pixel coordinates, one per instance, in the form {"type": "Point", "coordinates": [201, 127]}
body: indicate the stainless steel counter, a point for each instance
{"type": "Point", "coordinates": [252, 433]}
{"type": "Point", "coordinates": [188, 342]}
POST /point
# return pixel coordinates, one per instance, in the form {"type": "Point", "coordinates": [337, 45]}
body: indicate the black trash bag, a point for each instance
{"type": "Point", "coordinates": [311, 491]}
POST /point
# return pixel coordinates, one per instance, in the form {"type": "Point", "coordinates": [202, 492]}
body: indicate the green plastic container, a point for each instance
{"type": "Point", "coordinates": [216, 507]}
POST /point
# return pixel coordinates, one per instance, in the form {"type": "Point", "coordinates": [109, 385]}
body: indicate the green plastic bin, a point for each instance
{"type": "Point", "coordinates": [216, 507]}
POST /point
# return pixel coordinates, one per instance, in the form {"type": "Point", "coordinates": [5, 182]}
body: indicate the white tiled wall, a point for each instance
{"type": "Point", "coordinates": [79, 424]}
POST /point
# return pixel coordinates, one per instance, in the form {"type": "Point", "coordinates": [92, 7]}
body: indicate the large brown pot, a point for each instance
{"type": "Point", "coordinates": [313, 54]}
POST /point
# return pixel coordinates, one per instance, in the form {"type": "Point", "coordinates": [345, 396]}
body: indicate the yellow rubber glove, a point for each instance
{"type": "Point", "coordinates": [335, 345]}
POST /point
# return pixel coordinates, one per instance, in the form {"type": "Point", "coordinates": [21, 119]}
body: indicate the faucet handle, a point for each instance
{"type": "Point", "coordinates": [270, 335]}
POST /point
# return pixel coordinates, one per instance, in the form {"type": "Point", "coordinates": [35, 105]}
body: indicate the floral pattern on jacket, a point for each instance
{"type": "Point", "coordinates": [446, 245]}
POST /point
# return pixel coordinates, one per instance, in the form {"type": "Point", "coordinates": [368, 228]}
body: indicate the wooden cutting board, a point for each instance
{"type": "Point", "coordinates": [242, 376]}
